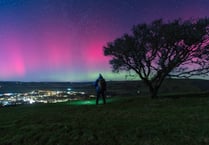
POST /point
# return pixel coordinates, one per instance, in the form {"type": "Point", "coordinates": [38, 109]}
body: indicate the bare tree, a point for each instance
{"type": "Point", "coordinates": [159, 50]}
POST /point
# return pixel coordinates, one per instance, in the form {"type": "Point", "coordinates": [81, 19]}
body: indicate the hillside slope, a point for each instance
{"type": "Point", "coordinates": [135, 121]}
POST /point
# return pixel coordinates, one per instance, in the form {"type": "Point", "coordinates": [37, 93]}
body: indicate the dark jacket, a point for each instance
{"type": "Point", "coordinates": [97, 86]}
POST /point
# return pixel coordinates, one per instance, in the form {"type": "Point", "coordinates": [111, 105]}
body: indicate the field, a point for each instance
{"type": "Point", "coordinates": [124, 121]}
{"type": "Point", "coordinates": [178, 117]}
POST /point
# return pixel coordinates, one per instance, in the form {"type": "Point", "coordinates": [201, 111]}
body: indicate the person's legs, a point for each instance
{"type": "Point", "coordinates": [97, 99]}
{"type": "Point", "coordinates": [103, 97]}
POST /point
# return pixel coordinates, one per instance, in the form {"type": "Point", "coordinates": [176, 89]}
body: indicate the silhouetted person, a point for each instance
{"type": "Point", "coordinates": [100, 85]}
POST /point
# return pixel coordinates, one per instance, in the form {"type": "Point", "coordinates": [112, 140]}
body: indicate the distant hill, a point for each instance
{"type": "Point", "coordinates": [184, 85]}
{"type": "Point", "coordinates": [169, 86]}
{"type": "Point", "coordinates": [20, 87]}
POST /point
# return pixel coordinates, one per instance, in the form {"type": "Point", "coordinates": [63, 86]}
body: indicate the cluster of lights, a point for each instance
{"type": "Point", "coordinates": [40, 96]}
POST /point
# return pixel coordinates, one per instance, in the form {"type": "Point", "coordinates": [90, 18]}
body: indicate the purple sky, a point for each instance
{"type": "Point", "coordinates": [62, 40]}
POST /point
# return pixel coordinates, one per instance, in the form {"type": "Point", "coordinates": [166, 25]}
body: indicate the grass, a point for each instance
{"type": "Point", "coordinates": [129, 121]}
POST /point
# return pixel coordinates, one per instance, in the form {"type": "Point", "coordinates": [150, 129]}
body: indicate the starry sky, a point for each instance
{"type": "Point", "coordinates": [62, 40]}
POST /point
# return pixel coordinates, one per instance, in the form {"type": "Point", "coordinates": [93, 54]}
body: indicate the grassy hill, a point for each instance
{"type": "Point", "coordinates": [126, 121]}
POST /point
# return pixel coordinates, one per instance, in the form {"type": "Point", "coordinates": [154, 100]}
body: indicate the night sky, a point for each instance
{"type": "Point", "coordinates": [62, 40]}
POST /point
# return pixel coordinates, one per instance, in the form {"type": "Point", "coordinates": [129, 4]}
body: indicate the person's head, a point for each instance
{"type": "Point", "coordinates": [100, 75]}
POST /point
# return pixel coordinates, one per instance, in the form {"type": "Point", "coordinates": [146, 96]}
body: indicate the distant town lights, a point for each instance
{"type": "Point", "coordinates": [31, 101]}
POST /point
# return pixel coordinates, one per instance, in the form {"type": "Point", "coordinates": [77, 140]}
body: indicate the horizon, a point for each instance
{"type": "Point", "coordinates": [120, 80]}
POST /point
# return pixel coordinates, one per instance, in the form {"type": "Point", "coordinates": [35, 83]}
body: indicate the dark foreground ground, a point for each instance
{"type": "Point", "coordinates": [124, 121]}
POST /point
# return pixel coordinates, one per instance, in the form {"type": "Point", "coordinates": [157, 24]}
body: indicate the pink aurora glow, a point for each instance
{"type": "Point", "coordinates": [42, 40]}
{"type": "Point", "coordinates": [50, 49]}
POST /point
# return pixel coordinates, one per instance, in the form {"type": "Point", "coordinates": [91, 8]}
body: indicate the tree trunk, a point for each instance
{"type": "Point", "coordinates": [153, 87]}
{"type": "Point", "coordinates": [152, 90]}
{"type": "Point", "coordinates": [153, 93]}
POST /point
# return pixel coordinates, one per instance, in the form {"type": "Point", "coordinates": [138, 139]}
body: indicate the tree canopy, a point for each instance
{"type": "Point", "coordinates": [162, 49]}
